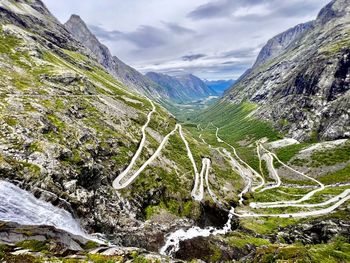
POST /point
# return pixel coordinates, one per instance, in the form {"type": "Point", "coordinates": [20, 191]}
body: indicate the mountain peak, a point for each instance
{"type": "Point", "coordinates": [75, 16]}
{"type": "Point", "coordinates": [335, 9]}
{"type": "Point", "coordinates": [124, 73]}
{"type": "Point", "coordinates": [279, 43]}
{"type": "Point", "coordinates": [76, 25]}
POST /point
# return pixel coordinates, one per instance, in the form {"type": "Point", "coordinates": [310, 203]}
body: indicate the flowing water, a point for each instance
{"type": "Point", "coordinates": [172, 244]}
{"type": "Point", "coordinates": [19, 206]}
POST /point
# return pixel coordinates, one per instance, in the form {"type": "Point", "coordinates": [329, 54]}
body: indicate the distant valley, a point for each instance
{"type": "Point", "coordinates": [100, 163]}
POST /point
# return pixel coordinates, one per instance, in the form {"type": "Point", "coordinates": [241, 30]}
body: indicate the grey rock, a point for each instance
{"type": "Point", "coordinates": [130, 77]}
{"type": "Point", "coordinates": [301, 78]}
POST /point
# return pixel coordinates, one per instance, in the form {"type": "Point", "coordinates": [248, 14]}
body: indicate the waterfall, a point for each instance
{"type": "Point", "coordinates": [172, 244]}
{"type": "Point", "coordinates": [19, 206]}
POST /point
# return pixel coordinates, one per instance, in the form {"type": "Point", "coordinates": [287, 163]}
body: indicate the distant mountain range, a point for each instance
{"type": "Point", "coordinates": [184, 88]}
{"type": "Point", "coordinates": [156, 86]}
{"type": "Point", "coordinates": [220, 86]}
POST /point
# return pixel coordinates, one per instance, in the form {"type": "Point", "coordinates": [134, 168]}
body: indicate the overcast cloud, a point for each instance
{"type": "Point", "coordinates": [216, 39]}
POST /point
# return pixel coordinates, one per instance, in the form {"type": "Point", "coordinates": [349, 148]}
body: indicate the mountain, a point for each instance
{"type": "Point", "coordinates": [300, 79]}
{"type": "Point", "coordinates": [184, 88]}
{"type": "Point", "coordinates": [195, 87]}
{"type": "Point", "coordinates": [68, 129]}
{"type": "Point", "coordinates": [93, 171]}
{"type": "Point", "coordinates": [220, 86]}
{"type": "Point", "coordinates": [278, 44]}
{"type": "Point", "coordinates": [130, 77]}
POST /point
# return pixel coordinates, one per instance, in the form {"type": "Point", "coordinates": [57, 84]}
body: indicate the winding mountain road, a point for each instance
{"type": "Point", "coordinates": [248, 174]}
{"type": "Point", "coordinates": [124, 179]}
{"type": "Point", "coordinates": [269, 157]}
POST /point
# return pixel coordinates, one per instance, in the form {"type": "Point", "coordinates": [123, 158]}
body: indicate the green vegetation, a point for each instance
{"type": "Point", "coordinates": [234, 123]}
{"type": "Point", "coordinates": [137, 258]}
{"type": "Point", "coordinates": [96, 258]}
{"type": "Point", "coordinates": [35, 147]}
{"type": "Point", "coordinates": [335, 252]}
{"type": "Point", "coordinates": [267, 225]}
{"type": "Point", "coordinates": [336, 47]}
{"type": "Point", "coordinates": [34, 245]}
{"type": "Point", "coordinates": [10, 121]}
{"type": "Point", "coordinates": [330, 157]}
{"type": "Point", "coordinates": [185, 209]}
{"type": "Point", "coordinates": [285, 154]}
{"type": "Point", "coordinates": [240, 240]}
{"type": "Point", "coordinates": [340, 176]}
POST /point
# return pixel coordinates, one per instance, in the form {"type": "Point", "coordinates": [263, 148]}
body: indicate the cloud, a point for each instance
{"type": "Point", "coordinates": [222, 8]}
{"type": "Point", "coordinates": [177, 29]}
{"type": "Point", "coordinates": [193, 57]}
{"type": "Point", "coordinates": [210, 38]}
{"type": "Point", "coordinates": [211, 10]}
{"type": "Point", "coordinates": [248, 52]}
{"type": "Point", "coordinates": [105, 34]}
{"type": "Point", "coordinates": [232, 8]}
{"type": "Point", "coordinates": [144, 37]}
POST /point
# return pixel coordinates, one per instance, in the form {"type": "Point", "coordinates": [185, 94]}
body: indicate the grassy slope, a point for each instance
{"type": "Point", "coordinates": [241, 132]}
{"type": "Point", "coordinates": [115, 146]}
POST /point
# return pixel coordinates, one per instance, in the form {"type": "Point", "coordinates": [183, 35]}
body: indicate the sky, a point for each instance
{"type": "Point", "coordinates": [213, 39]}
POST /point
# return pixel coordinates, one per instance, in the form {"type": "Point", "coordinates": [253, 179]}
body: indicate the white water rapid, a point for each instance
{"type": "Point", "coordinates": [19, 206]}
{"type": "Point", "coordinates": [172, 244]}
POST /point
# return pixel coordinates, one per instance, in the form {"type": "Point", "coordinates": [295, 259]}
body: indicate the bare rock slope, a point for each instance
{"type": "Point", "coordinates": [301, 78]}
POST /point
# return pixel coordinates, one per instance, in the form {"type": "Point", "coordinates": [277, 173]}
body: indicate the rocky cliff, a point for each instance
{"type": "Point", "coordinates": [130, 77]}
{"type": "Point", "coordinates": [183, 88]}
{"type": "Point", "coordinates": [301, 78]}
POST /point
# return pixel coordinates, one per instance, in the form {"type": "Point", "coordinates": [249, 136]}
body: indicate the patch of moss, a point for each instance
{"type": "Point", "coordinates": [35, 147]}
{"type": "Point", "coordinates": [33, 245]}
{"type": "Point", "coordinates": [285, 154]}
{"type": "Point", "coordinates": [178, 208]}
{"type": "Point", "coordinates": [90, 245]}
{"type": "Point", "coordinates": [97, 258]}
{"type": "Point", "coordinates": [10, 121]}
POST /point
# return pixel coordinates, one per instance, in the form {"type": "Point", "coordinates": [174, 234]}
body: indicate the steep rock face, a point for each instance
{"type": "Point", "coordinates": [124, 73]}
{"type": "Point", "coordinates": [280, 43]}
{"type": "Point", "coordinates": [304, 90]}
{"type": "Point", "coordinates": [34, 16]}
{"type": "Point", "coordinates": [183, 88]}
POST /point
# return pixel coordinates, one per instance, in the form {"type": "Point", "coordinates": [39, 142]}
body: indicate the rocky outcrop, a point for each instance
{"type": "Point", "coordinates": [183, 88]}
{"type": "Point", "coordinates": [130, 77]}
{"type": "Point", "coordinates": [35, 17]}
{"type": "Point", "coordinates": [301, 78]}
{"type": "Point", "coordinates": [315, 232]}
{"type": "Point", "coordinates": [43, 244]}
{"type": "Point", "coordinates": [280, 43]}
